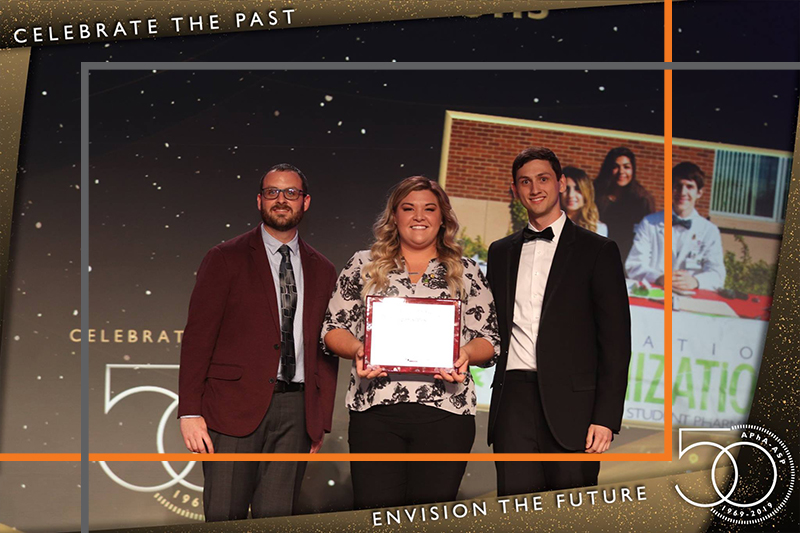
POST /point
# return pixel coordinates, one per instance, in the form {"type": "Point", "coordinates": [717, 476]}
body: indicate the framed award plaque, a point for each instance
{"type": "Point", "coordinates": [412, 335]}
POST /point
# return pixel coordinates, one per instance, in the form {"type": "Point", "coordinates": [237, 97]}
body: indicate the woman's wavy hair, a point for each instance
{"type": "Point", "coordinates": [386, 254]}
{"type": "Point", "coordinates": [587, 216]}
{"type": "Point", "coordinates": [606, 184]}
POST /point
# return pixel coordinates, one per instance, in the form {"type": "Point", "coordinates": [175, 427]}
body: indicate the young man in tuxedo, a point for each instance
{"type": "Point", "coordinates": [253, 378]}
{"type": "Point", "coordinates": [565, 329]}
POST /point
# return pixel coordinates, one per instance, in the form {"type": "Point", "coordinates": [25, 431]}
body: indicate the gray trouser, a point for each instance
{"type": "Point", "coordinates": [269, 488]}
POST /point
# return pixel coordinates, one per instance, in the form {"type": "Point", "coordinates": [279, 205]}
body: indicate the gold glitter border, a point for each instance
{"type": "Point", "coordinates": [776, 404]}
{"type": "Point", "coordinates": [663, 510]}
{"type": "Point", "coordinates": [13, 79]}
{"type": "Point", "coordinates": [51, 16]}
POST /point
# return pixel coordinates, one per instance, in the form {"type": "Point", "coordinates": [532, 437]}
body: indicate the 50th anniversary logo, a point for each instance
{"type": "Point", "coordinates": [779, 470]}
{"type": "Point", "coordinates": [176, 493]}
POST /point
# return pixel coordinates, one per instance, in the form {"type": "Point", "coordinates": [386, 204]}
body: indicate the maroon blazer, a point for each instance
{"type": "Point", "coordinates": [232, 341]}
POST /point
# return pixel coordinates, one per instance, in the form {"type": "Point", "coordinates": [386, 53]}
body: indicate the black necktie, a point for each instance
{"type": "Point", "coordinates": [529, 235]}
{"type": "Point", "coordinates": [288, 307]}
{"type": "Point", "coordinates": [685, 222]}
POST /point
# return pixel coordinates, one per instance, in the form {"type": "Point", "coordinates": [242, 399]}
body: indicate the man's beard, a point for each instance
{"type": "Point", "coordinates": [281, 223]}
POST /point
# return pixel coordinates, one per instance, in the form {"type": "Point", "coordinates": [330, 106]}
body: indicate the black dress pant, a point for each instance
{"type": "Point", "coordinates": [231, 488]}
{"type": "Point", "coordinates": [407, 428]}
{"type": "Point", "coordinates": [521, 427]}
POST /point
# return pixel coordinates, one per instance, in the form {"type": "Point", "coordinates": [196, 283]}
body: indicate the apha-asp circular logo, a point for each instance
{"type": "Point", "coordinates": [778, 470]}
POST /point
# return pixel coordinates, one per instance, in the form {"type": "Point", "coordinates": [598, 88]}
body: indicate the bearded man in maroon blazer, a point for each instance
{"type": "Point", "coordinates": [253, 377]}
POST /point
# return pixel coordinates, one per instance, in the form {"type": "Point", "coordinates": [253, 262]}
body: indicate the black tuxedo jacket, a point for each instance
{"type": "Point", "coordinates": [584, 344]}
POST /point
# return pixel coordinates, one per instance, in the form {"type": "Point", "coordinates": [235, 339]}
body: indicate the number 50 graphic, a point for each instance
{"type": "Point", "coordinates": [780, 462]}
{"type": "Point", "coordinates": [109, 403]}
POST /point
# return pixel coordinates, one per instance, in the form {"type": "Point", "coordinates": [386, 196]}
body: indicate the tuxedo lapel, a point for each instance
{"type": "Point", "coordinates": [259, 256]}
{"type": "Point", "coordinates": [513, 253]}
{"type": "Point", "coordinates": [560, 262]}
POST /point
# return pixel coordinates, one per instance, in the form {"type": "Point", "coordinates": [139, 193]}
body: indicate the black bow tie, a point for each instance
{"type": "Point", "coordinates": [685, 222]}
{"type": "Point", "coordinates": [529, 235]}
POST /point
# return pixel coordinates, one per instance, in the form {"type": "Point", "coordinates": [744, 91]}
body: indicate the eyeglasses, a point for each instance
{"type": "Point", "coordinates": [271, 193]}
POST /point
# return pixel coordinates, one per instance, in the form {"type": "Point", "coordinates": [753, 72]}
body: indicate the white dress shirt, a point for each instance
{"type": "Point", "coordinates": [697, 250]}
{"type": "Point", "coordinates": [534, 268]}
{"type": "Point", "coordinates": [271, 244]}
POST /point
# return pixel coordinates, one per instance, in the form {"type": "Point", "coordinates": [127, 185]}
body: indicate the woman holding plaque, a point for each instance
{"type": "Point", "coordinates": [621, 199]}
{"type": "Point", "coordinates": [415, 254]}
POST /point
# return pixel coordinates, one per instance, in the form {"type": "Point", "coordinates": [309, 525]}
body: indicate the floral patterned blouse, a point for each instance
{"type": "Point", "coordinates": [346, 310]}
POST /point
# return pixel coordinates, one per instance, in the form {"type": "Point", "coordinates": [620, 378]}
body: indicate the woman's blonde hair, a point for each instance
{"type": "Point", "coordinates": [587, 216]}
{"type": "Point", "coordinates": [386, 254]}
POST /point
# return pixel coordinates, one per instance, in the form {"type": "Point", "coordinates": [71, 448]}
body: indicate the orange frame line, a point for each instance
{"type": "Point", "coordinates": [40, 457]}
{"type": "Point", "coordinates": [668, 31]}
{"type": "Point", "coordinates": [668, 259]}
{"type": "Point", "coordinates": [666, 455]}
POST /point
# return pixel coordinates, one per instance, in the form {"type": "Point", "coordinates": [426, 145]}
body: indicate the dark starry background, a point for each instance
{"type": "Point", "coordinates": [176, 156]}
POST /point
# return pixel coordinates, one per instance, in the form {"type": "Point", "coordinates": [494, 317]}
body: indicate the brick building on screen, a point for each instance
{"type": "Point", "coordinates": [745, 193]}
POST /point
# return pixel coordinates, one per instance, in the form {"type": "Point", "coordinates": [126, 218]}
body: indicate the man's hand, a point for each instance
{"type": "Point", "coordinates": [315, 446]}
{"type": "Point", "coordinates": [684, 281]}
{"type": "Point", "coordinates": [195, 435]}
{"type": "Point", "coordinates": [369, 372]}
{"type": "Point", "coordinates": [660, 280]}
{"type": "Point", "coordinates": [598, 439]}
